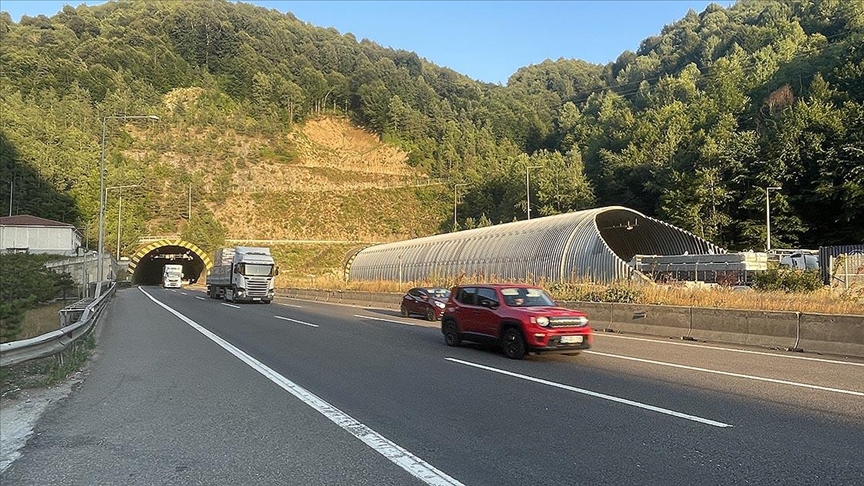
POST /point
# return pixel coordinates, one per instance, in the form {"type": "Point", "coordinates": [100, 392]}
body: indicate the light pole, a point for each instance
{"type": "Point", "coordinates": [528, 189]}
{"type": "Point", "coordinates": [768, 215]}
{"type": "Point", "coordinates": [455, 200]}
{"type": "Point", "coordinates": [102, 191]}
{"type": "Point", "coordinates": [119, 211]}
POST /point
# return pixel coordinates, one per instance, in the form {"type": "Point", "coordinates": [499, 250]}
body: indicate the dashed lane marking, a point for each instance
{"type": "Point", "coordinates": [603, 396]}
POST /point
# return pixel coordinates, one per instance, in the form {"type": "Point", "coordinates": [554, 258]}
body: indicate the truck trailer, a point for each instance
{"type": "Point", "coordinates": [172, 276]}
{"type": "Point", "coordinates": [242, 274]}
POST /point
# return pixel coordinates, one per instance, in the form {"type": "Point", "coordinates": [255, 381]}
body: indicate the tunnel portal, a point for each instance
{"type": "Point", "coordinates": [147, 263]}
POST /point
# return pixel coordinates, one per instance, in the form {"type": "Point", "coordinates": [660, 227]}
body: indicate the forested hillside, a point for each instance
{"type": "Point", "coordinates": [690, 128]}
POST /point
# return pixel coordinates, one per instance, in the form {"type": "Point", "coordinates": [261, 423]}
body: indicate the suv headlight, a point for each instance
{"type": "Point", "coordinates": [440, 304]}
{"type": "Point", "coordinates": [543, 321]}
{"type": "Point", "coordinates": [583, 321]}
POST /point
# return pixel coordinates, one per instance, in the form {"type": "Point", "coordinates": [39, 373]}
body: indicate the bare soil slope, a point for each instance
{"type": "Point", "coordinates": [324, 180]}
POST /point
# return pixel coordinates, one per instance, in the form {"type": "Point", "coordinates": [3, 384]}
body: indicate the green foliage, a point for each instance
{"type": "Point", "coordinates": [689, 128]}
{"type": "Point", "coordinates": [788, 280]}
{"type": "Point", "coordinates": [24, 283]}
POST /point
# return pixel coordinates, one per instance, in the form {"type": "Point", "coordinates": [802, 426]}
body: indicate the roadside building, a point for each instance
{"type": "Point", "coordinates": [26, 233]}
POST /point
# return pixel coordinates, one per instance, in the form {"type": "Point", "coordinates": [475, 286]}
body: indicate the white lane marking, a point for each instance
{"type": "Point", "coordinates": [184, 293]}
{"type": "Point", "coordinates": [385, 320]}
{"type": "Point", "coordinates": [200, 298]}
{"type": "Point", "coordinates": [172, 290]}
{"type": "Point", "coordinates": [293, 305]}
{"type": "Point", "coordinates": [231, 305]}
{"type": "Point", "coordinates": [594, 394]}
{"type": "Point", "coordinates": [298, 322]}
{"type": "Point", "coordinates": [726, 373]}
{"type": "Point", "coordinates": [761, 353]}
{"type": "Point", "coordinates": [401, 457]}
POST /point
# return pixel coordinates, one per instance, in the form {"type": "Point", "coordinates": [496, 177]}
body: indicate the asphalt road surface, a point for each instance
{"type": "Point", "coordinates": [190, 390]}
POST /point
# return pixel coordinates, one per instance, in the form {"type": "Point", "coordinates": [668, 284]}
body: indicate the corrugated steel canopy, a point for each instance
{"type": "Point", "coordinates": [593, 245]}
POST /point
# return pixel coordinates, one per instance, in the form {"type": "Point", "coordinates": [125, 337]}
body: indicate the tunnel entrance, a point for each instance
{"type": "Point", "coordinates": [147, 263]}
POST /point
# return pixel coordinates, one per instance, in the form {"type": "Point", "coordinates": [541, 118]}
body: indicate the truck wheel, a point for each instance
{"type": "Point", "coordinates": [513, 343]}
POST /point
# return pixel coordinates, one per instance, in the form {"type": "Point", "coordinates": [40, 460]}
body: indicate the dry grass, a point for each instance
{"type": "Point", "coordinates": [823, 302]}
{"type": "Point", "coordinates": [40, 320]}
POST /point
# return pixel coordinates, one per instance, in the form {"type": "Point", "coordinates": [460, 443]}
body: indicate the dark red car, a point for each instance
{"type": "Point", "coordinates": [428, 302]}
{"type": "Point", "coordinates": [519, 318]}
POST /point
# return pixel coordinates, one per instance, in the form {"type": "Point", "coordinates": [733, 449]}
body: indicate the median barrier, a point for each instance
{"type": "Point", "coordinates": [774, 329]}
{"type": "Point", "coordinates": [656, 320]}
{"type": "Point", "coordinates": [832, 334]}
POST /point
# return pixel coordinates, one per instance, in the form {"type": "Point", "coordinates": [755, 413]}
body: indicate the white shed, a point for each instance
{"type": "Point", "coordinates": [38, 235]}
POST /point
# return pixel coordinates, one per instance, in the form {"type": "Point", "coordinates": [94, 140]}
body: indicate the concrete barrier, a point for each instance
{"type": "Point", "coordinates": [756, 328]}
{"type": "Point", "coordinates": [832, 334]}
{"type": "Point", "coordinates": [655, 320]}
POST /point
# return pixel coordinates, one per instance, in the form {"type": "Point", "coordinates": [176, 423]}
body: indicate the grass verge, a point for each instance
{"type": "Point", "coordinates": [46, 371]}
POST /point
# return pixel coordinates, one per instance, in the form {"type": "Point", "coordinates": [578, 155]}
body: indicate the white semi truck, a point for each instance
{"type": "Point", "coordinates": [172, 276]}
{"type": "Point", "coordinates": [242, 274]}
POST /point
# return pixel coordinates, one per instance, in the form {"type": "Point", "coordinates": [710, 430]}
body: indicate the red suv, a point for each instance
{"type": "Point", "coordinates": [519, 318]}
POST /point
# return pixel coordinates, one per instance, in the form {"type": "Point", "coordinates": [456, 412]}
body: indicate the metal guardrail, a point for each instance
{"type": "Point", "coordinates": [16, 352]}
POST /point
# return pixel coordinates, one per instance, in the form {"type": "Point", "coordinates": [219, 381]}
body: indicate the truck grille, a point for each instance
{"type": "Point", "coordinates": [257, 287]}
{"type": "Point", "coordinates": [567, 322]}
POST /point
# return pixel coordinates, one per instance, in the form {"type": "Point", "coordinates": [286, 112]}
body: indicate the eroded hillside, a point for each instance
{"type": "Point", "coordinates": [323, 180]}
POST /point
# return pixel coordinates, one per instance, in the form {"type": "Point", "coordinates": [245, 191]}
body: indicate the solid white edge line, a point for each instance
{"type": "Point", "coordinates": [385, 320]}
{"type": "Point", "coordinates": [745, 351]}
{"type": "Point", "coordinates": [229, 305]}
{"type": "Point", "coordinates": [380, 444]}
{"type": "Point", "coordinates": [298, 322]}
{"type": "Point", "coordinates": [727, 373]}
{"type": "Point", "coordinates": [594, 394]}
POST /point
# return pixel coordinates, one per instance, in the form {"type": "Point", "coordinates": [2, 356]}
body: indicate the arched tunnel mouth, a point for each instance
{"type": "Point", "coordinates": [149, 268]}
{"type": "Point", "coordinates": [628, 233]}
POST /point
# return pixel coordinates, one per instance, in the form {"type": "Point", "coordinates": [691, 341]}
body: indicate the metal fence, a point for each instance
{"type": "Point", "coordinates": [76, 321]}
{"type": "Point", "coordinates": [847, 271]}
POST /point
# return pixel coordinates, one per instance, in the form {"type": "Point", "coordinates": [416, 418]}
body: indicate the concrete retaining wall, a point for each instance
{"type": "Point", "coordinates": [816, 333]}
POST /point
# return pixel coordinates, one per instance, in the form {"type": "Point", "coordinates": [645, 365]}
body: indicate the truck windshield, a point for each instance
{"type": "Point", "coordinates": [256, 270]}
{"type": "Point", "coordinates": [173, 274]}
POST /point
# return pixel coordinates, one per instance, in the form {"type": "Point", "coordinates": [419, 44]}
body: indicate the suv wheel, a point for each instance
{"type": "Point", "coordinates": [403, 310]}
{"type": "Point", "coordinates": [513, 343]}
{"type": "Point", "coordinates": [451, 334]}
{"type": "Point", "coordinates": [430, 314]}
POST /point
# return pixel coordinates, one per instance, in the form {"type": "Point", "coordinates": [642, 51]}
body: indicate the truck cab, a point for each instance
{"type": "Point", "coordinates": [172, 276]}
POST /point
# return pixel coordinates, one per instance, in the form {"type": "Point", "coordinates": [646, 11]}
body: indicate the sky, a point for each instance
{"type": "Point", "coordinates": [486, 40]}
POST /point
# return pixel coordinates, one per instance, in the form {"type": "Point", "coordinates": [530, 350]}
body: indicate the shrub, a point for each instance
{"type": "Point", "coordinates": [788, 280]}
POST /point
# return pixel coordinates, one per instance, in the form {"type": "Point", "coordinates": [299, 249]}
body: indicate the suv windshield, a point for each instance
{"type": "Point", "coordinates": [522, 297]}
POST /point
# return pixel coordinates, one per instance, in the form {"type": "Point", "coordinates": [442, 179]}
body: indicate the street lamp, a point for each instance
{"type": "Point", "coordinates": [455, 187]}
{"type": "Point", "coordinates": [102, 191]}
{"type": "Point", "coordinates": [528, 189]}
{"type": "Point", "coordinates": [768, 215]}
{"type": "Point", "coordinates": [119, 211]}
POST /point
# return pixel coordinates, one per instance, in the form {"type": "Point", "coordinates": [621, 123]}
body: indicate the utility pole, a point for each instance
{"type": "Point", "coordinates": [11, 187]}
{"type": "Point", "coordinates": [455, 201]}
{"type": "Point", "coordinates": [768, 216]}
{"type": "Point", "coordinates": [190, 201]}
{"type": "Point", "coordinates": [528, 189]}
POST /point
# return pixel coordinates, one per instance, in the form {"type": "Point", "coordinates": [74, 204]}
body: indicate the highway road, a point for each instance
{"type": "Point", "coordinates": [190, 390]}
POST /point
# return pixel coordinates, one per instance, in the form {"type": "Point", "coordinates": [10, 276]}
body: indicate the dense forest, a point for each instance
{"type": "Point", "coordinates": [690, 128]}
